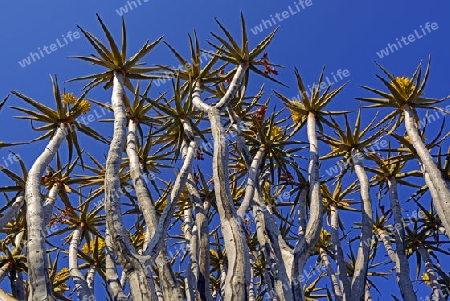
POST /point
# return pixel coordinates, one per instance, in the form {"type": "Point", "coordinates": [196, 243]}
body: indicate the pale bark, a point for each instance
{"type": "Point", "coordinates": [252, 183]}
{"type": "Point", "coordinates": [112, 277]}
{"type": "Point", "coordinates": [11, 212]}
{"type": "Point", "coordinates": [223, 279]}
{"type": "Point", "coordinates": [190, 236]}
{"type": "Point", "coordinates": [334, 281]}
{"type": "Point", "coordinates": [6, 297]}
{"type": "Point", "coordinates": [233, 87]}
{"type": "Point", "coordinates": [429, 269]}
{"type": "Point", "coordinates": [83, 291]}
{"type": "Point", "coordinates": [90, 277]}
{"type": "Point", "coordinates": [238, 275]}
{"type": "Point", "coordinates": [157, 241]}
{"type": "Point", "coordinates": [306, 244]}
{"type": "Point", "coordinates": [362, 259]}
{"type": "Point", "coordinates": [275, 249]}
{"type": "Point", "coordinates": [40, 286]}
{"type": "Point", "coordinates": [367, 295]}
{"type": "Point", "coordinates": [140, 286]}
{"type": "Point", "coordinates": [387, 245]}
{"type": "Point", "coordinates": [401, 264]}
{"type": "Point", "coordinates": [202, 251]}
{"type": "Point", "coordinates": [340, 262]}
{"type": "Point", "coordinates": [17, 284]}
{"type": "Point", "coordinates": [443, 194]}
{"type": "Point", "coordinates": [50, 202]}
{"type": "Point", "coordinates": [435, 198]}
{"type": "Point", "coordinates": [170, 287]}
{"type": "Point", "coordinates": [302, 212]}
{"type": "Point", "coordinates": [251, 293]}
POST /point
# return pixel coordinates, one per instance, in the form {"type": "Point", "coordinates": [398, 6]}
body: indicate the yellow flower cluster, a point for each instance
{"type": "Point", "coordinates": [296, 117]}
{"type": "Point", "coordinates": [85, 106]}
{"type": "Point", "coordinates": [325, 236]}
{"type": "Point", "coordinates": [276, 132]}
{"type": "Point", "coordinates": [406, 85]}
{"type": "Point", "coordinates": [62, 275]}
{"type": "Point", "coordinates": [69, 98]}
{"type": "Point", "coordinates": [90, 249]}
{"type": "Point", "coordinates": [426, 278]}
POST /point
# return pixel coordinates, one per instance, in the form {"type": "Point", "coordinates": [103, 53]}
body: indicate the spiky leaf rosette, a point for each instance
{"type": "Point", "coordinates": [235, 54]}
{"type": "Point", "coordinates": [402, 92]}
{"type": "Point", "coordinates": [115, 60]}
{"type": "Point", "coordinates": [68, 109]}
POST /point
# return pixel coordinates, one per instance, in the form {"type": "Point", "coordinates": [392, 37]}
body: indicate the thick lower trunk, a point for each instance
{"type": "Point", "coordinates": [171, 288]}
{"type": "Point", "coordinates": [40, 286]}
{"type": "Point", "coordinates": [362, 259]}
{"type": "Point", "coordinates": [140, 286]}
{"type": "Point", "coordinates": [238, 275]}
{"type": "Point", "coordinates": [306, 244]}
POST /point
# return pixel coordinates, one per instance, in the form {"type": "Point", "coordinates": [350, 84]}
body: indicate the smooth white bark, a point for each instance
{"type": "Point", "coordinates": [112, 277]}
{"type": "Point", "coordinates": [40, 287]}
{"type": "Point", "coordinates": [305, 245]}
{"type": "Point", "coordinates": [11, 212]}
{"type": "Point", "coordinates": [83, 290]}
{"type": "Point", "coordinates": [401, 262]}
{"type": "Point", "coordinates": [442, 202]}
{"type": "Point", "coordinates": [358, 285]}
{"type": "Point", "coordinates": [170, 287]}
{"type": "Point", "coordinates": [340, 262]}
{"type": "Point", "coordinates": [141, 287]}
{"type": "Point", "coordinates": [429, 269]}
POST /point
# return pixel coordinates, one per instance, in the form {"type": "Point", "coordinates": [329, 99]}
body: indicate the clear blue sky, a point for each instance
{"type": "Point", "coordinates": [343, 35]}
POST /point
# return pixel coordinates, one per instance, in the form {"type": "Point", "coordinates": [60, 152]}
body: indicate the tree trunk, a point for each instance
{"type": "Point", "coordinates": [140, 285]}
{"type": "Point", "coordinates": [362, 260]}
{"type": "Point", "coordinates": [50, 203]}
{"type": "Point", "coordinates": [83, 291]}
{"type": "Point", "coordinates": [340, 262]}
{"type": "Point", "coordinates": [429, 269]}
{"type": "Point", "coordinates": [11, 212]}
{"type": "Point", "coordinates": [238, 274]}
{"type": "Point", "coordinates": [306, 244]}
{"type": "Point", "coordinates": [40, 286]}
{"type": "Point", "coordinates": [111, 272]}
{"type": "Point", "coordinates": [401, 265]}
{"type": "Point", "coordinates": [171, 288]}
{"type": "Point", "coordinates": [430, 168]}
{"type": "Point", "coordinates": [384, 237]}
{"type": "Point", "coordinates": [334, 281]}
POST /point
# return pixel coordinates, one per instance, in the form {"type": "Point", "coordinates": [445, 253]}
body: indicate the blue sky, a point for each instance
{"type": "Point", "coordinates": [345, 35]}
